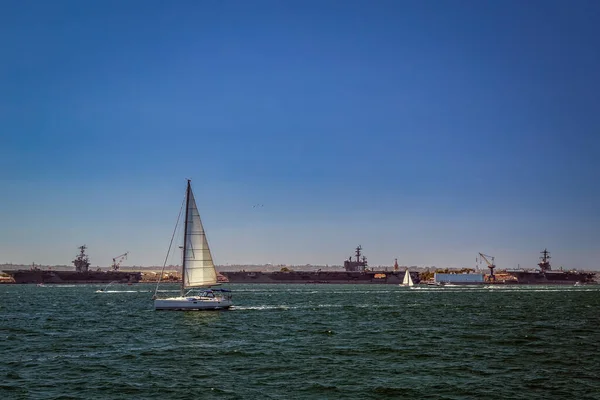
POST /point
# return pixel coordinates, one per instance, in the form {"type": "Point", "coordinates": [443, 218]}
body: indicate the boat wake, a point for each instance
{"type": "Point", "coordinates": [122, 291]}
{"type": "Point", "coordinates": [260, 308]}
{"type": "Point", "coordinates": [508, 288]}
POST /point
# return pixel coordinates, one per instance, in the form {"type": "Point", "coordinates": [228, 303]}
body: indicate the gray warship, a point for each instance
{"type": "Point", "coordinates": [82, 273]}
{"type": "Point", "coordinates": [355, 272]}
{"type": "Point", "coordinates": [546, 276]}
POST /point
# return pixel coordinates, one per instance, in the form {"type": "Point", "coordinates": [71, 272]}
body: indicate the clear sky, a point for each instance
{"type": "Point", "coordinates": [425, 131]}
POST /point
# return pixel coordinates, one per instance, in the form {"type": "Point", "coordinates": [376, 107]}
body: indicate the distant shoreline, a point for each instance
{"type": "Point", "coordinates": [253, 268]}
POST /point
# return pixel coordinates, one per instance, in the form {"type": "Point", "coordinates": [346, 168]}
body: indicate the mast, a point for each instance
{"type": "Point", "coordinates": [185, 234]}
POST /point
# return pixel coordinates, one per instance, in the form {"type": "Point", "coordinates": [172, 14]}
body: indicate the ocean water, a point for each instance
{"type": "Point", "coordinates": [302, 342]}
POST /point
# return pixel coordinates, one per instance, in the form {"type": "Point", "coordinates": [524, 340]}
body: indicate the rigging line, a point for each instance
{"type": "Point", "coordinates": [169, 250]}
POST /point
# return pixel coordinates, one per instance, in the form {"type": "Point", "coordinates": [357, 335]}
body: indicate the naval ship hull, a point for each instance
{"type": "Point", "coordinates": [341, 277]}
{"type": "Point", "coordinates": [70, 277]}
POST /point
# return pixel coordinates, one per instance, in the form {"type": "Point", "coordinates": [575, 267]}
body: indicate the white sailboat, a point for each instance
{"type": "Point", "coordinates": [407, 281]}
{"type": "Point", "coordinates": [198, 271]}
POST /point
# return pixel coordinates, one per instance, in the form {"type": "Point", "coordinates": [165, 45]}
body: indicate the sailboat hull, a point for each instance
{"type": "Point", "coordinates": [197, 303]}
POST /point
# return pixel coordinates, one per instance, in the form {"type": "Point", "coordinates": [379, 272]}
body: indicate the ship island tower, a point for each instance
{"type": "Point", "coordinates": [82, 261]}
{"type": "Point", "coordinates": [356, 266]}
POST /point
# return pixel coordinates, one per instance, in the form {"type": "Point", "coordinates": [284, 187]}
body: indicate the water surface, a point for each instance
{"type": "Point", "coordinates": [303, 342]}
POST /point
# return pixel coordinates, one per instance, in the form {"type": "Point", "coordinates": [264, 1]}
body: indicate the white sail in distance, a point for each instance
{"type": "Point", "coordinates": [198, 267]}
{"type": "Point", "coordinates": [407, 279]}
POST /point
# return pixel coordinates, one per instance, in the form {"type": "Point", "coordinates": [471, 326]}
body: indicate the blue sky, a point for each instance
{"type": "Point", "coordinates": [426, 131]}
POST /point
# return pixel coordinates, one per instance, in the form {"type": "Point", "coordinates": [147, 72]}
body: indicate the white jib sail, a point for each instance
{"type": "Point", "coordinates": [407, 279]}
{"type": "Point", "coordinates": [199, 267]}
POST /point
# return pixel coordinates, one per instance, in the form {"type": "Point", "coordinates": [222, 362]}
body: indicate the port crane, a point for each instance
{"type": "Point", "coordinates": [490, 264]}
{"type": "Point", "coordinates": [117, 261]}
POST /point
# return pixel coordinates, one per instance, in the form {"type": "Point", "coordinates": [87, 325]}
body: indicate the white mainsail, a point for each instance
{"type": "Point", "coordinates": [407, 279]}
{"type": "Point", "coordinates": [198, 267]}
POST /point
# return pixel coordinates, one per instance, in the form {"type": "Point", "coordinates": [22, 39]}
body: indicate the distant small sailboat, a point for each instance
{"type": "Point", "coordinates": [198, 270]}
{"type": "Point", "coordinates": [407, 281]}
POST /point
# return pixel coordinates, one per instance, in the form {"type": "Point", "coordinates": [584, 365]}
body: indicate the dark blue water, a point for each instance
{"type": "Point", "coordinates": [302, 342]}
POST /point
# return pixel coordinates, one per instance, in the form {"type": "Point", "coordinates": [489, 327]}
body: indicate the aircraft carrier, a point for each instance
{"type": "Point", "coordinates": [355, 272]}
{"type": "Point", "coordinates": [546, 276]}
{"type": "Point", "coordinates": [82, 273]}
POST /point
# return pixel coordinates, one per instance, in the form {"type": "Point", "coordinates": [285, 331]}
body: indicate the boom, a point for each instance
{"type": "Point", "coordinates": [117, 261]}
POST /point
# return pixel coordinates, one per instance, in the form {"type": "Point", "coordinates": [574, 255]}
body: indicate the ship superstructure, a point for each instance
{"type": "Point", "coordinates": [544, 263]}
{"type": "Point", "coordinates": [356, 266]}
{"type": "Point", "coordinates": [82, 261]}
